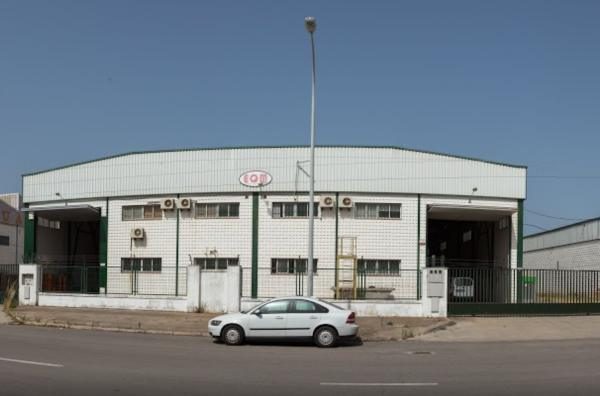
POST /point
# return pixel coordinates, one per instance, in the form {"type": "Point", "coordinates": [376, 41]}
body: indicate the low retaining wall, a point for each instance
{"type": "Point", "coordinates": [152, 303]}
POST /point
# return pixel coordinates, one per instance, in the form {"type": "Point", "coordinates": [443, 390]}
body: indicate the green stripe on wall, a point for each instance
{"type": "Point", "coordinates": [255, 245]}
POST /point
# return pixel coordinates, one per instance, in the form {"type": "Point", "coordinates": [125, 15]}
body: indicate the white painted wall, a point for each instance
{"type": "Point", "coordinates": [13, 253]}
{"type": "Point", "coordinates": [580, 256]}
{"type": "Point", "coordinates": [151, 303]}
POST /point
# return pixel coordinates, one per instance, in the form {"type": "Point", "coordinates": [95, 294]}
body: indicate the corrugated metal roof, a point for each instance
{"type": "Point", "coordinates": [338, 168]}
{"type": "Point", "coordinates": [583, 231]}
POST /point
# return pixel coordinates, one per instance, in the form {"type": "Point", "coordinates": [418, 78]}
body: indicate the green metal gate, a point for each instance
{"type": "Point", "coordinates": [497, 291]}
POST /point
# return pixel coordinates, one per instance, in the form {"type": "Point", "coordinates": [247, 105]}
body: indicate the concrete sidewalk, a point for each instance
{"type": "Point", "coordinates": [195, 324]}
{"type": "Point", "coordinates": [547, 328]}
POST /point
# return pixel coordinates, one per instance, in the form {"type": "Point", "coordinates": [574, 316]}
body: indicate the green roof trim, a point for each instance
{"type": "Point", "coordinates": [270, 147]}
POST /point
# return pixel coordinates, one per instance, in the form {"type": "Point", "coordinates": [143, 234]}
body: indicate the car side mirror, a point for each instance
{"type": "Point", "coordinates": [257, 312]}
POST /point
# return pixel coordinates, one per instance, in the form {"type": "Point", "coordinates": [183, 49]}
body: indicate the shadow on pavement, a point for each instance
{"type": "Point", "coordinates": [352, 342]}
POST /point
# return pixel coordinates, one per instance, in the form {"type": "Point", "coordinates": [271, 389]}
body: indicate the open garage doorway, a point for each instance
{"type": "Point", "coordinates": [67, 248]}
{"type": "Point", "coordinates": [475, 245]}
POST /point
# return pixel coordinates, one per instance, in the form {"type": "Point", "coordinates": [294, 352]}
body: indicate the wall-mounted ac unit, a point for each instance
{"type": "Point", "coordinates": [327, 201]}
{"type": "Point", "coordinates": [137, 233]}
{"type": "Point", "coordinates": [346, 203]}
{"type": "Point", "coordinates": [167, 204]}
{"type": "Point", "coordinates": [184, 203]}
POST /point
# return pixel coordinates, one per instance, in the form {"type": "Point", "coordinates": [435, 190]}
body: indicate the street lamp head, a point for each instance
{"type": "Point", "coordinates": [310, 23]}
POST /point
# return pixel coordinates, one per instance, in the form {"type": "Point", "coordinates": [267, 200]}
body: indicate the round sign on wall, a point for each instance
{"type": "Point", "coordinates": [255, 178]}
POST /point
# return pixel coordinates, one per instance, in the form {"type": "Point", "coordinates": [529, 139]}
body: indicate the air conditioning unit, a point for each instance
{"type": "Point", "coordinates": [184, 203]}
{"type": "Point", "coordinates": [346, 203]}
{"type": "Point", "coordinates": [167, 204]}
{"type": "Point", "coordinates": [327, 201]}
{"type": "Point", "coordinates": [137, 233]}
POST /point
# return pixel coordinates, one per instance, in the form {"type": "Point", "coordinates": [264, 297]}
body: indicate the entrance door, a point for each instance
{"type": "Point", "coordinates": [269, 320]}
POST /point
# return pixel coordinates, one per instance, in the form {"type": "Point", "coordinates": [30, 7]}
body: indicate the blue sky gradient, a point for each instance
{"type": "Point", "coordinates": [511, 81]}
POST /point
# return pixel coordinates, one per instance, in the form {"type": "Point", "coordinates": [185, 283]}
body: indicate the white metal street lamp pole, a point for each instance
{"type": "Point", "coordinates": [311, 26]}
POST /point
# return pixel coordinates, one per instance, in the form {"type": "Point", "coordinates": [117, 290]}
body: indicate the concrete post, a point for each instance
{"type": "Point", "coordinates": [435, 292]}
{"type": "Point", "coordinates": [193, 288]}
{"type": "Point", "coordinates": [28, 284]}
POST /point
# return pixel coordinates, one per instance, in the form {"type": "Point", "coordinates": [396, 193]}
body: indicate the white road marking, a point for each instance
{"type": "Point", "coordinates": [30, 362]}
{"type": "Point", "coordinates": [379, 384]}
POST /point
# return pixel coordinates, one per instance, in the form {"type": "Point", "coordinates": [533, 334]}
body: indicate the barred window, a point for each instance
{"type": "Point", "coordinates": [377, 211]}
{"type": "Point", "coordinates": [141, 212]}
{"type": "Point", "coordinates": [292, 209]}
{"type": "Point", "coordinates": [212, 263]}
{"type": "Point", "coordinates": [214, 210]}
{"type": "Point", "coordinates": [290, 265]}
{"type": "Point", "coordinates": [379, 267]}
{"type": "Point", "coordinates": [141, 264]}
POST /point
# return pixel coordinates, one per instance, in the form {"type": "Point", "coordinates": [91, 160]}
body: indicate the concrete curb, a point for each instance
{"type": "Point", "coordinates": [407, 333]}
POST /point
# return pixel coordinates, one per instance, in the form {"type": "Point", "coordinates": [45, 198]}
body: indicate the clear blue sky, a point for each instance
{"type": "Point", "coordinates": [512, 81]}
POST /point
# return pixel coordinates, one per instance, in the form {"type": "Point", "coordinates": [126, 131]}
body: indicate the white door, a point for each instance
{"type": "Point", "coordinates": [270, 320]}
{"type": "Point", "coordinates": [304, 316]}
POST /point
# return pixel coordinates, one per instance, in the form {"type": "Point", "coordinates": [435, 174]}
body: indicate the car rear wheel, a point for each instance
{"type": "Point", "coordinates": [232, 335]}
{"type": "Point", "coordinates": [326, 337]}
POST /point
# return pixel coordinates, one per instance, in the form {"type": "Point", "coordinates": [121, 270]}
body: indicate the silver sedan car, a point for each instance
{"type": "Point", "coordinates": [290, 317]}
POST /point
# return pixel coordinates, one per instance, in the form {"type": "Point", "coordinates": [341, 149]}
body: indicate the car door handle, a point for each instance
{"type": "Point", "coordinates": [278, 317]}
{"type": "Point", "coordinates": [314, 317]}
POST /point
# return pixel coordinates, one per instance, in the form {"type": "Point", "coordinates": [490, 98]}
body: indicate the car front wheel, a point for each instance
{"type": "Point", "coordinates": [232, 335]}
{"type": "Point", "coordinates": [326, 337]}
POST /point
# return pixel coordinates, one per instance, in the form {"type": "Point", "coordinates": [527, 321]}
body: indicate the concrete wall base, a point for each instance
{"type": "Point", "coordinates": [152, 303]}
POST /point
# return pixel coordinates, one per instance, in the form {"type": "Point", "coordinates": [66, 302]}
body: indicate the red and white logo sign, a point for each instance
{"type": "Point", "coordinates": [255, 178]}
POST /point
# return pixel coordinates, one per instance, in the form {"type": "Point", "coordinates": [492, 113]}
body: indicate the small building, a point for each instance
{"type": "Point", "coordinates": [136, 224]}
{"type": "Point", "coordinates": [11, 229]}
{"type": "Point", "coordinates": [575, 246]}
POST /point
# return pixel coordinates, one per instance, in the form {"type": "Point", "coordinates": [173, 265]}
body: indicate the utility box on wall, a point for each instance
{"type": "Point", "coordinates": [28, 280]}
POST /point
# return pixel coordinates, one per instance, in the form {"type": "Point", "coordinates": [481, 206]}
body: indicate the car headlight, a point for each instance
{"type": "Point", "coordinates": [215, 322]}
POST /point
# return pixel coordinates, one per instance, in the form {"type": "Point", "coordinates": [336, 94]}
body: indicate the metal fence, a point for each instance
{"type": "Point", "coordinates": [523, 286]}
{"type": "Point", "coordinates": [9, 274]}
{"type": "Point", "coordinates": [351, 284]}
{"type": "Point", "coordinates": [85, 279]}
{"type": "Point", "coordinates": [69, 279]}
{"type": "Point", "coordinates": [170, 281]}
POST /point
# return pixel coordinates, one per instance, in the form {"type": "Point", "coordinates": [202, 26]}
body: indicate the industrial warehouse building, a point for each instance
{"type": "Point", "coordinates": [135, 226]}
{"type": "Point", "coordinates": [575, 246]}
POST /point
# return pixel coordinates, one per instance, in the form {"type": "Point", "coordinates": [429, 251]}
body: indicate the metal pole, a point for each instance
{"type": "Point", "coordinates": [311, 26]}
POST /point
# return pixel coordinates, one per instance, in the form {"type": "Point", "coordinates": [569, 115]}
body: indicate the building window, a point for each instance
{"type": "Point", "coordinates": [43, 222]}
{"type": "Point", "coordinates": [142, 212]}
{"type": "Point", "coordinates": [379, 267]}
{"type": "Point", "coordinates": [292, 209]}
{"type": "Point", "coordinates": [214, 210]}
{"type": "Point", "coordinates": [290, 265]}
{"type": "Point", "coordinates": [4, 240]}
{"type": "Point", "coordinates": [211, 263]}
{"type": "Point", "coordinates": [377, 211]}
{"type": "Point", "coordinates": [138, 264]}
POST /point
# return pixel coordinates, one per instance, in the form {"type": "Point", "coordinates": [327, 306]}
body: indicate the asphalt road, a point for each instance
{"type": "Point", "coordinates": [44, 361]}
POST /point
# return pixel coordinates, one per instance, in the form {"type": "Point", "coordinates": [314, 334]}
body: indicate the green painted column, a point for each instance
{"type": "Point", "coordinates": [337, 218]}
{"type": "Point", "coordinates": [418, 246]}
{"type": "Point", "coordinates": [255, 203]}
{"type": "Point", "coordinates": [29, 241]}
{"type": "Point", "coordinates": [177, 213]}
{"type": "Point", "coordinates": [103, 253]}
